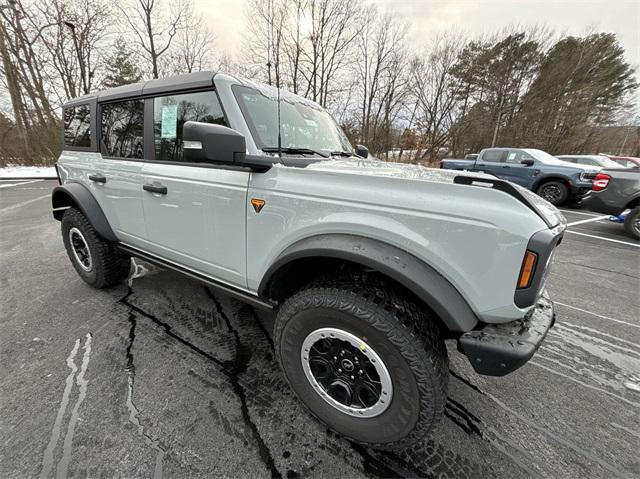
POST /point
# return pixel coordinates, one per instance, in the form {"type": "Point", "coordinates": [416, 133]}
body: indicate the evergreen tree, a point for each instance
{"type": "Point", "coordinates": [120, 69]}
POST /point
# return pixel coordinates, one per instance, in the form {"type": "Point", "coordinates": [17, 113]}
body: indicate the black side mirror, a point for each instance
{"type": "Point", "coordinates": [209, 143]}
{"type": "Point", "coordinates": [362, 151]}
{"type": "Point", "coordinates": [527, 162]}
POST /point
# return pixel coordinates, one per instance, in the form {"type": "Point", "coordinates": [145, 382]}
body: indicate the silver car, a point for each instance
{"type": "Point", "coordinates": [368, 266]}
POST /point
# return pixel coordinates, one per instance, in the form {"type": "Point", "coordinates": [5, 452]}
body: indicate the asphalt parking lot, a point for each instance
{"type": "Point", "coordinates": [165, 378]}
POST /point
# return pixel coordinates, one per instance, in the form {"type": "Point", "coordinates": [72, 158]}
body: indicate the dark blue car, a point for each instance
{"type": "Point", "coordinates": [554, 180]}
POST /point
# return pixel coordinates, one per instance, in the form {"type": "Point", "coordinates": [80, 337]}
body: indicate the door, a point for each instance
{"type": "Point", "coordinates": [514, 170]}
{"type": "Point", "coordinates": [491, 161]}
{"type": "Point", "coordinates": [195, 214]}
{"type": "Point", "coordinates": [118, 173]}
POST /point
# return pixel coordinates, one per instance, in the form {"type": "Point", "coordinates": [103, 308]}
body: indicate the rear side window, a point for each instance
{"type": "Point", "coordinates": [494, 156]}
{"type": "Point", "coordinates": [170, 114]}
{"type": "Point", "coordinates": [122, 126]}
{"type": "Point", "coordinates": [77, 126]}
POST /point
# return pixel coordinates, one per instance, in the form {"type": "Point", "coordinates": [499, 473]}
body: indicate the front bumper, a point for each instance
{"type": "Point", "coordinates": [499, 349]}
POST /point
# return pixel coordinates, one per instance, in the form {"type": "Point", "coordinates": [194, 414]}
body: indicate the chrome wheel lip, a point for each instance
{"type": "Point", "coordinates": [76, 250]}
{"type": "Point", "coordinates": [386, 395]}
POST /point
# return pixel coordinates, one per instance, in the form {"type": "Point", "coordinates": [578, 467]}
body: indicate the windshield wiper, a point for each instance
{"type": "Point", "coordinates": [294, 150]}
{"type": "Point", "coordinates": [342, 153]}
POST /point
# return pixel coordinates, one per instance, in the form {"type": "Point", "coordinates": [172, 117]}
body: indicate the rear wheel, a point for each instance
{"type": "Point", "coordinates": [98, 262]}
{"type": "Point", "coordinates": [365, 360]}
{"type": "Point", "coordinates": [555, 192]}
{"type": "Point", "coordinates": [632, 223]}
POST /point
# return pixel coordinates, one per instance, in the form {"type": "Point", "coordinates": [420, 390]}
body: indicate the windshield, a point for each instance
{"type": "Point", "coordinates": [546, 158]}
{"type": "Point", "coordinates": [303, 124]}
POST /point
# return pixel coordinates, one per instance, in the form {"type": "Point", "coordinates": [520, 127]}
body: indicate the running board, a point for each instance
{"type": "Point", "coordinates": [219, 287]}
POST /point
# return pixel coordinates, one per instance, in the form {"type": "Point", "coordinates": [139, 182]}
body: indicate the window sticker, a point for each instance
{"type": "Point", "coordinates": [512, 155]}
{"type": "Point", "coordinates": [169, 121]}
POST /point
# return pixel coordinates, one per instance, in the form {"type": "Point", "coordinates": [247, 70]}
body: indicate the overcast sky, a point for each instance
{"type": "Point", "coordinates": [428, 17]}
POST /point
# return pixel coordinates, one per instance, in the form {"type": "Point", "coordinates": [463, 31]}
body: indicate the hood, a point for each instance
{"type": "Point", "coordinates": [405, 171]}
{"type": "Point", "coordinates": [373, 167]}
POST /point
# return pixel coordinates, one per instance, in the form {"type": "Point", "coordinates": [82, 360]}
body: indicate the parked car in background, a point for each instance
{"type": "Point", "coordinates": [615, 191]}
{"type": "Point", "coordinates": [590, 160]}
{"type": "Point", "coordinates": [554, 180]}
{"type": "Point", "coordinates": [627, 161]}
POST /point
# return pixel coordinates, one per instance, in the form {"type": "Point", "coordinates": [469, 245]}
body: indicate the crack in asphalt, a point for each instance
{"type": "Point", "coordinates": [578, 450]}
{"type": "Point", "coordinates": [133, 410]}
{"type": "Point", "coordinates": [599, 269]}
{"type": "Point", "coordinates": [237, 367]}
{"type": "Point", "coordinates": [231, 369]}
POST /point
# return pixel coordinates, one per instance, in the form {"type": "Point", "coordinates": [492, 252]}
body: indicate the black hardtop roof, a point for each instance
{"type": "Point", "coordinates": [150, 87]}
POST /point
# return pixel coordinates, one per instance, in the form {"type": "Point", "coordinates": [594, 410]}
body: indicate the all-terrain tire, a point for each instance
{"type": "Point", "coordinates": [104, 265]}
{"type": "Point", "coordinates": [555, 192]}
{"type": "Point", "coordinates": [631, 223]}
{"type": "Point", "coordinates": [404, 336]}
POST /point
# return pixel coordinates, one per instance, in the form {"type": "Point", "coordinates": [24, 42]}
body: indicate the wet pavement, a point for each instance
{"type": "Point", "coordinates": [164, 378]}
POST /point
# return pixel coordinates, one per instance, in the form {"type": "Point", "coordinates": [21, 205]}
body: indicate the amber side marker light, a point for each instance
{"type": "Point", "coordinates": [526, 272]}
{"type": "Point", "coordinates": [257, 204]}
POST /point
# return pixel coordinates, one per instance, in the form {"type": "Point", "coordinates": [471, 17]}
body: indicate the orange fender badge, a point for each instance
{"type": "Point", "coordinates": [257, 204]}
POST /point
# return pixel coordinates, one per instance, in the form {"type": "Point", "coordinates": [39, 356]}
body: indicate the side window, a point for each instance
{"type": "Point", "coordinates": [77, 126]}
{"type": "Point", "coordinates": [170, 114]}
{"type": "Point", "coordinates": [516, 157]}
{"type": "Point", "coordinates": [122, 126]}
{"type": "Point", "coordinates": [494, 156]}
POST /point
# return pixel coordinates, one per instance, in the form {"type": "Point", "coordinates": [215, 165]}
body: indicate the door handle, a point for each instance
{"type": "Point", "coordinates": [98, 178]}
{"type": "Point", "coordinates": [155, 189]}
{"type": "Point", "coordinates": [506, 166]}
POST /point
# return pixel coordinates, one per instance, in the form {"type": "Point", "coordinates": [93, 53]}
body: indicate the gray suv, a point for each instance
{"type": "Point", "coordinates": [368, 266]}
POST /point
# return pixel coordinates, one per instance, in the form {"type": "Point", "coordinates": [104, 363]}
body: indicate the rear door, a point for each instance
{"type": "Point", "coordinates": [491, 161]}
{"type": "Point", "coordinates": [195, 213]}
{"type": "Point", "coordinates": [118, 173]}
{"type": "Point", "coordinates": [514, 170]}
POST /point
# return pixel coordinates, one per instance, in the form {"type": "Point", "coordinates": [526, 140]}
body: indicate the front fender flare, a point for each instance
{"type": "Point", "coordinates": [414, 274]}
{"type": "Point", "coordinates": [78, 195]}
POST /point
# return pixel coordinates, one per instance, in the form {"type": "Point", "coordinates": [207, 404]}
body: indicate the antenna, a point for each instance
{"type": "Point", "coordinates": [278, 88]}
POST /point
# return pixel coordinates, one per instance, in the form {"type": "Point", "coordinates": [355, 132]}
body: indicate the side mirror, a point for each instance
{"type": "Point", "coordinates": [362, 151]}
{"type": "Point", "coordinates": [527, 162]}
{"type": "Point", "coordinates": [209, 143]}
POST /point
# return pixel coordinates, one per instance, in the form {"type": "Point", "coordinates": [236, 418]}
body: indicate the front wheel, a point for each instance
{"type": "Point", "coordinates": [555, 192]}
{"type": "Point", "coordinates": [365, 360]}
{"type": "Point", "coordinates": [632, 223]}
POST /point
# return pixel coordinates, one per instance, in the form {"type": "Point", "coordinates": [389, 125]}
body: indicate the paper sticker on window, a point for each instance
{"type": "Point", "coordinates": [169, 121]}
{"type": "Point", "coordinates": [511, 156]}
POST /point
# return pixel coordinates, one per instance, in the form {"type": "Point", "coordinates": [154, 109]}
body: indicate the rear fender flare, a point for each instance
{"type": "Point", "coordinates": [77, 195]}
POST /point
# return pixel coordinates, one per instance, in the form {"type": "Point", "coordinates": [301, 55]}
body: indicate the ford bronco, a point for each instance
{"type": "Point", "coordinates": [368, 266]}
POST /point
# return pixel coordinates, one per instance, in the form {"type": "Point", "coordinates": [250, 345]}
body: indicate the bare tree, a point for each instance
{"type": "Point", "coordinates": [192, 49]}
{"type": "Point", "coordinates": [154, 25]}
{"type": "Point", "coordinates": [379, 74]}
{"type": "Point", "coordinates": [76, 41]}
{"type": "Point", "coordinates": [435, 92]}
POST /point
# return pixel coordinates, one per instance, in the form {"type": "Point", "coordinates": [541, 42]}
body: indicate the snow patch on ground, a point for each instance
{"type": "Point", "coordinates": [25, 172]}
